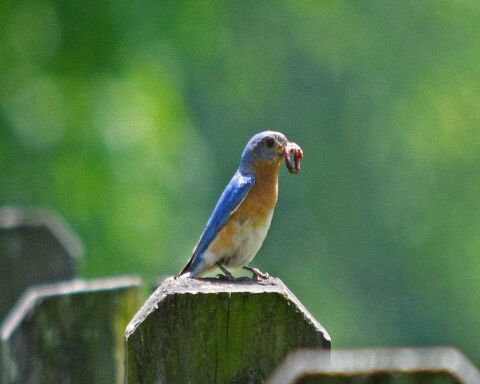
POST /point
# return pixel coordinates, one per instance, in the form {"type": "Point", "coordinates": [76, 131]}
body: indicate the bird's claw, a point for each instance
{"type": "Point", "coordinates": [226, 273]}
{"type": "Point", "coordinates": [232, 278]}
{"type": "Point", "coordinates": [257, 274]}
{"type": "Point", "coordinates": [221, 276]}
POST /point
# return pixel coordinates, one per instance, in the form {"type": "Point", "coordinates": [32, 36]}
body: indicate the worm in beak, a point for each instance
{"type": "Point", "coordinates": [297, 155]}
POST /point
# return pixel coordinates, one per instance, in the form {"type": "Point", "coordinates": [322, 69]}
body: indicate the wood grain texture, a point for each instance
{"type": "Point", "coordinates": [212, 331]}
{"type": "Point", "coordinates": [69, 332]}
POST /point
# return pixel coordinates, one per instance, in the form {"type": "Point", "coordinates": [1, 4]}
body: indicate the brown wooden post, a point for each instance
{"type": "Point", "coordinates": [214, 331]}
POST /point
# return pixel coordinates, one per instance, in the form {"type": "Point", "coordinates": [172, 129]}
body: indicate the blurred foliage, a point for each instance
{"type": "Point", "coordinates": [129, 118]}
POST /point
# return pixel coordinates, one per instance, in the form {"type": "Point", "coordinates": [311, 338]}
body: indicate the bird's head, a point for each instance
{"type": "Point", "coordinates": [271, 147]}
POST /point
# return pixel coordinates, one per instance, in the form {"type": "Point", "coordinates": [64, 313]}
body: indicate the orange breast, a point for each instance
{"type": "Point", "coordinates": [256, 208]}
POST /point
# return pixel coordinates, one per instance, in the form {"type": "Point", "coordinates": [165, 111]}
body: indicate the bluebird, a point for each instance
{"type": "Point", "coordinates": [240, 221]}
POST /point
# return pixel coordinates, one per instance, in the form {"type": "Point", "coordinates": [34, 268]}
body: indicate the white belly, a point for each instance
{"type": "Point", "coordinates": [247, 240]}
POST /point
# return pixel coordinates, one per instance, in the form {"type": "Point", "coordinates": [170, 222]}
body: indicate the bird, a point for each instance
{"type": "Point", "coordinates": [241, 218]}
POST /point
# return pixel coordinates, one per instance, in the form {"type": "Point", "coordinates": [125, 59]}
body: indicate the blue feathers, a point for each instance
{"type": "Point", "coordinates": [231, 198]}
{"type": "Point", "coordinates": [246, 230]}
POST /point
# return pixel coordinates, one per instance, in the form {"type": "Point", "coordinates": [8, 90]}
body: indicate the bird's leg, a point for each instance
{"type": "Point", "coordinates": [226, 272]}
{"type": "Point", "coordinates": [256, 273]}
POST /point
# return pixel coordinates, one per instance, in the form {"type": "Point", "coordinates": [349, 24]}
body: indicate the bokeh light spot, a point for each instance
{"type": "Point", "coordinates": [36, 113]}
{"type": "Point", "coordinates": [33, 32]}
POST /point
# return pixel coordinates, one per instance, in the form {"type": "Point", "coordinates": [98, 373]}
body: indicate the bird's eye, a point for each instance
{"type": "Point", "coordinates": [269, 142]}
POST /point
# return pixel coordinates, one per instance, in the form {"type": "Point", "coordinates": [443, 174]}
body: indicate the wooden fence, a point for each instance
{"type": "Point", "coordinates": [36, 247]}
{"type": "Point", "coordinates": [441, 365]}
{"type": "Point", "coordinates": [213, 331]}
{"type": "Point", "coordinates": [69, 332]}
{"type": "Point", "coordinates": [64, 330]}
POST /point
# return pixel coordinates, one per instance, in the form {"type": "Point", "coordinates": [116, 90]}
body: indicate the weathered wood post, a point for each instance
{"type": "Point", "coordinates": [36, 247]}
{"type": "Point", "coordinates": [377, 366]}
{"type": "Point", "coordinates": [214, 331]}
{"type": "Point", "coordinates": [69, 332]}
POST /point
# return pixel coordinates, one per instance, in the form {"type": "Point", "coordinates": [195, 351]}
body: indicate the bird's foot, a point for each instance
{"type": "Point", "coordinates": [221, 276]}
{"type": "Point", "coordinates": [256, 273]}
{"type": "Point", "coordinates": [226, 273]}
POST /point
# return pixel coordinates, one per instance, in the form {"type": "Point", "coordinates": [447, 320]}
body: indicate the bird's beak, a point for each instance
{"type": "Point", "coordinates": [297, 154]}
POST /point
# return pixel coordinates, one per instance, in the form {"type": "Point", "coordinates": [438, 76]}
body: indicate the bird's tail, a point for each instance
{"type": "Point", "coordinates": [185, 272]}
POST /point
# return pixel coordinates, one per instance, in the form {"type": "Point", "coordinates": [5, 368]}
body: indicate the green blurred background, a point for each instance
{"type": "Point", "coordinates": [129, 117]}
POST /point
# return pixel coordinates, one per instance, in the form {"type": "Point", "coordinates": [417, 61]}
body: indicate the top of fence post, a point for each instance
{"type": "Point", "coordinates": [69, 332]}
{"type": "Point", "coordinates": [36, 246]}
{"type": "Point", "coordinates": [377, 365]}
{"type": "Point", "coordinates": [210, 330]}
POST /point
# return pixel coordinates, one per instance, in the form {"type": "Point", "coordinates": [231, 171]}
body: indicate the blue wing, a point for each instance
{"type": "Point", "coordinates": [231, 198]}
